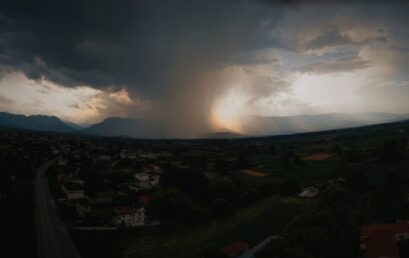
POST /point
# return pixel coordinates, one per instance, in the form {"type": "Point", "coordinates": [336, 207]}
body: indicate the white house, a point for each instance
{"type": "Point", "coordinates": [154, 179]}
{"type": "Point", "coordinates": [75, 180]}
{"type": "Point", "coordinates": [309, 192]}
{"type": "Point", "coordinates": [83, 207]}
{"type": "Point", "coordinates": [72, 190]}
{"type": "Point", "coordinates": [129, 216]}
{"type": "Point", "coordinates": [142, 177]}
{"type": "Point", "coordinates": [62, 162]}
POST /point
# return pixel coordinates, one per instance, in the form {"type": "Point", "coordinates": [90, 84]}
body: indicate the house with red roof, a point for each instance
{"type": "Point", "coordinates": [144, 199]}
{"type": "Point", "coordinates": [380, 240]}
{"type": "Point", "coordinates": [236, 248]}
{"type": "Point", "coordinates": [129, 216]}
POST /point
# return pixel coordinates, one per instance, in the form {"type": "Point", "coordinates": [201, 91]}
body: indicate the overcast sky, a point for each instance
{"type": "Point", "coordinates": [202, 64]}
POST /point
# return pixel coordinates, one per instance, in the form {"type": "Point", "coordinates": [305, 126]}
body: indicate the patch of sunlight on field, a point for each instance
{"type": "Point", "coordinates": [319, 156]}
{"type": "Point", "coordinates": [254, 173]}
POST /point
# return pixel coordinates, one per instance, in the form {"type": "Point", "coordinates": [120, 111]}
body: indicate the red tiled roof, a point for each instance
{"type": "Point", "coordinates": [236, 248]}
{"type": "Point", "coordinates": [124, 209]}
{"type": "Point", "coordinates": [382, 244]}
{"type": "Point", "coordinates": [396, 228]}
{"type": "Point", "coordinates": [381, 240]}
{"type": "Point", "coordinates": [145, 199]}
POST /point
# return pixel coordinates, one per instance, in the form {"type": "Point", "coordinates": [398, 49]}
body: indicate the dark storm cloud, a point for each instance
{"type": "Point", "coordinates": [131, 43]}
{"type": "Point", "coordinates": [168, 51]}
{"type": "Point", "coordinates": [265, 84]}
{"type": "Point", "coordinates": [330, 38]}
{"type": "Point", "coordinates": [57, 32]}
{"type": "Point", "coordinates": [172, 54]}
{"type": "Point", "coordinates": [147, 46]}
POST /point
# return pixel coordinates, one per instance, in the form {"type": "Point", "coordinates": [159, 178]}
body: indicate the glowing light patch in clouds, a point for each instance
{"type": "Point", "coordinates": [80, 104]}
{"type": "Point", "coordinates": [227, 110]}
{"type": "Point", "coordinates": [329, 92]}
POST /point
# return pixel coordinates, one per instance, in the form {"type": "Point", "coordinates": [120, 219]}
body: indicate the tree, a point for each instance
{"type": "Point", "coordinates": [244, 156]}
{"type": "Point", "coordinates": [289, 186]}
{"type": "Point", "coordinates": [352, 156]}
{"type": "Point", "coordinates": [172, 204]}
{"type": "Point", "coordinates": [211, 250]}
{"type": "Point", "coordinates": [196, 184]}
{"type": "Point", "coordinates": [280, 248]}
{"type": "Point", "coordinates": [392, 149]}
{"type": "Point", "coordinates": [267, 188]}
{"type": "Point", "coordinates": [284, 160]}
{"type": "Point", "coordinates": [356, 180]}
{"type": "Point", "coordinates": [223, 187]}
{"type": "Point", "coordinates": [325, 228]}
{"type": "Point", "coordinates": [251, 194]}
{"type": "Point", "coordinates": [220, 165]}
{"type": "Point", "coordinates": [298, 161]}
{"type": "Point", "coordinates": [273, 150]}
{"type": "Point", "coordinates": [222, 207]}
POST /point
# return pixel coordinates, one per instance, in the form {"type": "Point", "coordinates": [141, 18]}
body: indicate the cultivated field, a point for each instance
{"type": "Point", "coordinates": [253, 173]}
{"type": "Point", "coordinates": [318, 156]}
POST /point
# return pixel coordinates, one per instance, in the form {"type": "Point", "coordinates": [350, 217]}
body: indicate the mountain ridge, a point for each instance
{"type": "Point", "coordinates": [34, 122]}
{"type": "Point", "coordinates": [252, 125]}
{"type": "Point", "coordinates": [131, 127]}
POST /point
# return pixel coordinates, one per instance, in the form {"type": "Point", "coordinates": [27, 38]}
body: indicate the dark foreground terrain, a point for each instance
{"type": "Point", "coordinates": [307, 195]}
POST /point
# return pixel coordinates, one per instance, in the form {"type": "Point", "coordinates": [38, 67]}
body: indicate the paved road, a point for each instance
{"type": "Point", "coordinates": [53, 240]}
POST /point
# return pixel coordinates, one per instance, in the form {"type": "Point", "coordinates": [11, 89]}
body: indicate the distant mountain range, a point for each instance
{"type": "Point", "coordinates": [252, 125]}
{"type": "Point", "coordinates": [126, 127]}
{"type": "Point", "coordinates": [37, 122]}
{"type": "Point", "coordinates": [258, 125]}
{"type": "Point", "coordinates": [223, 135]}
{"type": "Point", "coordinates": [75, 126]}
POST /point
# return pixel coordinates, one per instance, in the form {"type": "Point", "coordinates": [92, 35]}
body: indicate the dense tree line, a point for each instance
{"type": "Point", "coordinates": [372, 193]}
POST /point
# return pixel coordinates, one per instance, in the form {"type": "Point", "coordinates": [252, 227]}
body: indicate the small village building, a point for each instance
{"type": "Point", "coordinates": [380, 240]}
{"type": "Point", "coordinates": [62, 162]}
{"type": "Point", "coordinates": [72, 190]}
{"type": "Point", "coordinates": [142, 177]}
{"type": "Point", "coordinates": [102, 198]}
{"type": "Point", "coordinates": [145, 186]}
{"type": "Point", "coordinates": [144, 199]}
{"type": "Point", "coordinates": [104, 158]}
{"type": "Point", "coordinates": [82, 207]}
{"type": "Point", "coordinates": [134, 187]}
{"type": "Point", "coordinates": [101, 213]}
{"type": "Point", "coordinates": [75, 180]}
{"type": "Point", "coordinates": [236, 248]}
{"type": "Point", "coordinates": [129, 216]}
{"type": "Point", "coordinates": [309, 192]}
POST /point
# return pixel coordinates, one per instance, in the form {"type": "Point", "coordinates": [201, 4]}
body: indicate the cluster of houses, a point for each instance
{"type": "Point", "coordinates": [147, 179]}
{"type": "Point", "coordinates": [313, 190]}
{"type": "Point", "coordinates": [102, 207]}
{"type": "Point", "coordinates": [122, 203]}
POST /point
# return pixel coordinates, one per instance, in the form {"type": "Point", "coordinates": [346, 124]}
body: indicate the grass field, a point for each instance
{"type": "Point", "coordinates": [316, 170]}
{"type": "Point", "coordinates": [251, 224]}
{"type": "Point", "coordinates": [292, 200]}
{"type": "Point", "coordinates": [313, 170]}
